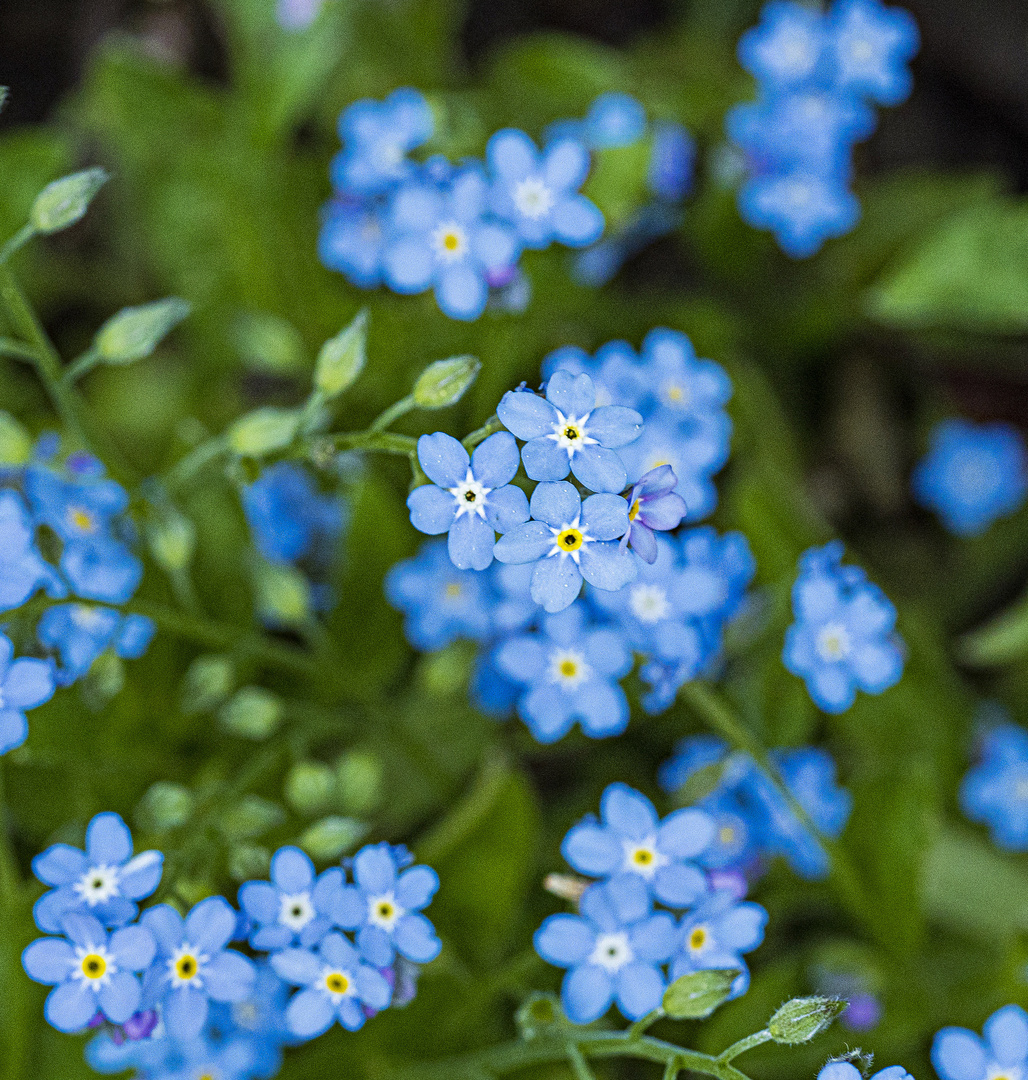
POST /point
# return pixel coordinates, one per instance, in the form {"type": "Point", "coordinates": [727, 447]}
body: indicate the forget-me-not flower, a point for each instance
{"type": "Point", "coordinates": [995, 790]}
{"type": "Point", "coordinates": [193, 966]}
{"type": "Point", "coordinates": [568, 671]}
{"type": "Point", "coordinates": [567, 432]}
{"type": "Point", "coordinates": [630, 839]}
{"type": "Point", "coordinates": [871, 47]}
{"type": "Point", "coordinates": [352, 241]}
{"type": "Point", "coordinates": [716, 934]}
{"type": "Point", "coordinates": [612, 951]}
{"type": "Point", "coordinates": [784, 50]}
{"type": "Point", "coordinates": [81, 632]}
{"type": "Point", "coordinates": [672, 162]}
{"type": "Point", "coordinates": [972, 474]}
{"type": "Point", "coordinates": [24, 684]}
{"type": "Point", "coordinates": [22, 569]}
{"type": "Point", "coordinates": [845, 1070]}
{"type": "Point", "coordinates": [653, 505]}
{"type": "Point", "coordinates": [106, 880]}
{"type": "Point", "coordinates": [289, 517]}
{"type": "Point", "coordinates": [90, 972]}
{"type": "Point", "coordinates": [1001, 1050]}
{"type": "Point", "coordinates": [614, 119]}
{"type": "Point", "coordinates": [337, 985]}
{"type": "Point", "coordinates": [470, 498]}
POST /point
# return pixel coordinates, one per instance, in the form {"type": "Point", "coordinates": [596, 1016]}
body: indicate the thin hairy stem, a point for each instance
{"type": "Point", "coordinates": [490, 427]}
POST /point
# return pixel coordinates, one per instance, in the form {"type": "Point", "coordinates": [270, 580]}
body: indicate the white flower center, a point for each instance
{"type": "Point", "coordinates": [98, 884]}
{"type": "Point", "coordinates": [570, 433]}
{"type": "Point", "coordinates": [388, 154]}
{"type": "Point", "coordinates": [861, 50]}
{"type": "Point", "coordinates": [533, 198]}
{"type": "Point", "coordinates": [337, 984]}
{"type": "Point", "coordinates": [384, 911]}
{"type": "Point", "coordinates": [295, 911]}
{"type": "Point", "coordinates": [642, 857]}
{"type": "Point", "coordinates": [94, 966]}
{"type": "Point", "coordinates": [649, 603]}
{"type": "Point", "coordinates": [569, 540]}
{"type": "Point", "coordinates": [698, 939]}
{"type": "Point", "coordinates": [185, 966]}
{"type": "Point", "coordinates": [612, 952]}
{"type": "Point", "coordinates": [568, 668]}
{"type": "Point", "coordinates": [450, 241]}
{"type": "Point", "coordinates": [833, 642]}
{"type": "Point", "coordinates": [470, 496]}
{"type": "Point", "coordinates": [998, 1072]}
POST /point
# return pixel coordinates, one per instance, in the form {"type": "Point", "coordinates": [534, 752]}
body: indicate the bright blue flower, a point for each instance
{"type": "Point", "coordinates": [538, 192]}
{"type": "Point", "coordinates": [352, 241]}
{"type": "Point", "coordinates": [513, 608]}
{"type": "Point", "coordinates": [871, 47]}
{"type": "Point", "coordinates": [995, 791]}
{"type": "Point", "coordinates": [260, 1018]}
{"type": "Point", "coordinates": [653, 505]}
{"type": "Point", "coordinates": [24, 684]}
{"type": "Point", "coordinates": [233, 1059]}
{"type": "Point", "coordinates": [614, 119]}
{"type": "Point", "coordinates": [470, 498]}
{"type": "Point", "coordinates": [786, 49]}
{"type": "Point", "coordinates": [629, 839]}
{"type": "Point", "coordinates": [672, 162]}
{"type": "Point", "coordinates": [22, 569]}
{"type": "Point", "coordinates": [959, 1054]}
{"type": "Point", "coordinates": [491, 692]}
{"type": "Point", "coordinates": [972, 474]}
{"type": "Point", "coordinates": [193, 966]}
{"type": "Point", "coordinates": [568, 671]}
{"type": "Point", "coordinates": [441, 237]}
{"type": "Point", "coordinates": [612, 951]}
{"type": "Point", "coordinates": [384, 906]}
{"type": "Point", "coordinates": [569, 540]}
{"type": "Point", "coordinates": [337, 985]}
{"type": "Point", "coordinates": [440, 602]}
{"type": "Point", "coordinates": [289, 517]}
{"type": "Point", "coordinates": [844, 1070]}
{"type": "Point", "coordinates": [83, 509]}
{"type": "Point", "coordinates": [567, 432]}
{"type": "Point", "coordinates": [81, 632]}
{"type": "Point", "coordinates": [90, 972]}
{"type": "Point", "coordinates": [101, 569]}
{"type": "Point", "coordinates": [109, 1053]}
{"type": "Point", "coordinates": [377, 136]}
{"type": "Point", "coordinates": [843, 638]}
{"type": "Point", "coordinates": [716, 934]}
{"type": "Point", "coordinates": [293, 906]}
{"type": "Point", "coordinates": [105, 880]}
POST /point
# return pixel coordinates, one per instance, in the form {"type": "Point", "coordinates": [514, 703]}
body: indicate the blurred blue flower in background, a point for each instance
{"type": "Point", "coordinates": [22, 569]}
{"type": "Point", "coordinates": [871, 47]}
{"type": "Point", "coordinates": [995, 790]}
{"type": "Point", "coordinates": [24, 683]}
{"type": "Point", "coordinates": [614, 119]}
{"type": "Point", "coordinates": [290, 519]}
{"type": "Point", "coordinates": [352, 240]}
{"type": "Point", "coordinates": [81, 632]}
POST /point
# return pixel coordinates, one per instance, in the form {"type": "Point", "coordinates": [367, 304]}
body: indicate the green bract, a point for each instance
{"type": "Point", "coordinates": [342, 358]}
{"type": "Point", "coordinates": [800, 1020]}
{"type": "Point", "coordinates": [134, 333]}
{"type": "Point", "coordinates": [695, 996]}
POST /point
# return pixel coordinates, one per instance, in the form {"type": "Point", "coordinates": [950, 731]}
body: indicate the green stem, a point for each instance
{"type": "Point", "coordinates": [579, 1064]}
{"type": "Point", "coordinates": [644, 1023]}
{"type": "Point", "coordinates": [16, 1013]}
{"type": "Point", "coordinates": [743, 1045]}
{"type": "Point", "coordinates": [197, 458]}
{"type": "Point", "coordinates": [490, 427]}
{"type": "Point", "coordinates": [16, 350]}
{"type": "Point", "coordinates": [394, 412]}
{"type": "Point", "coordinates": [672, 1069]}
{"type": "Point", "coordinates": [385, 441]}
{"type": "Point", "coordinates": [78, 367]}
{"type": "Point", "coordinates": [19, 240]}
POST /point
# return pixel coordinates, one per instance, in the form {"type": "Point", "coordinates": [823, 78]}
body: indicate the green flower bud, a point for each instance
{"type": "Point", "coordinates": [446, 673]}
{"type": "Point", "coordinates": [208, 681]}
{"type": "Point", "coordinates": [172, 539]}
{"type": "Point", "coordinates": [799, 1020]}
{"type": "Point", "coordinates": [269, 343]}
{"type": "Point", "coordinates": [253, 713]}
{"type": "Point", "coordinates": [444, 382]}
{"type": "Point", "coordinates": [135, 332]}
{"type": "Point", "coordinates": [251, 816]}
{"type": "Point", "coordinates": [263, 431]}
{"type": "Point", "coordinates": [309, 787]}
{"type": "Point", "coordinates": [15, 441]}
{"type": "Point", "coordinates": [164, 806]}
{"type": "Point", "coordinates": [248, 861]}
{"type": "Point", "coordinates": [331, 836]}
{"type": "Point", "coordinates": [539, 1015]}
{"type": "Point", "coordinates": [342, 358]}
{"type": "Point", "coordinates": [65, 201]}
{"type": "Point", "coordinates": [283, 594]}
{"type": "Point", "coordinates": [696, 996]}
{"type": "Point", "coordinates": [359, 776]}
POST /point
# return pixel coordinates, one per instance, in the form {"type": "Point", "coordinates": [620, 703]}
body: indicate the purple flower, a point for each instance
{"type": "Point", "coordinates": [653, 506]}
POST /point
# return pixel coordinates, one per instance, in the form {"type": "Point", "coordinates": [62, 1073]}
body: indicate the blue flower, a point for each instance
{"type": "Point", "coordinates": [22, 569]}
{"type": "Point", "coordinates": [629, 839]}
{"type": "Point", "coordinates": [959, 1054]}
{"type": "Point", "coordinates": [614, 119]}
{"type": "Point", "coordinates": [81, 632]}
{"type": "Point", "coordinates": [972, 474]}
{"type": "Point", "coordinates": [716, 934]}
{"type": "Point", "coordinates": [612, 951]}
{"type": "Point", "coordinates": [785, 50]}
{"type": "Point", "coordinates": [384, 906]}
{"type": "Point", "coordinates": [569, 540]}
{"type": "Point", "coordinates": [995, 791]}
{"type": "Point", "coordinates": [105, 880]}
{"type": "Point", "coordinates": [569, 671]}
{"type": "Point", "coordinates": [90, 972]}
{"type": "Point", "coordinates": [471, 498]}
{"type": "Point", "coordinates": [352, 241]}
{"type": "Point", "coordinates": [377, 137]}
{"type": "Point", "coordinates": [442, 237]}
{"type": "Point", "coordinates": [653, 505]}
{"type": "Point", "coordinates": [231, 1059]}
{"type": "Point", "coordinates": [513, 608]}
{"type": "Point", "coordinates": [567, 432]}
{"type": "Point", "coordinates": [75, 509]}
{"type": "Point", "coordinates": [337, 985]}
{"type": "Point", "coordinates": [293, 906]}
{"type": "Point", "coordinates": [296, 15]}
{"type": "Point", "coordinates": [844, 1070]}
{"type": "Point", "coordinates": [871, 47]}
{"type": "Point", "coordinates": [538, 192]}
{"type": "Point", "coordinates": [441, 603]}
{"type": "Point", "coordinates": [260, 1018]}
{"type": "Point", "coordinates": [289, 518]}
{"type": "Point", "coordinates": [101, 569]}
{"type": "Point", "coordinates": [843, 638]}
{"type": "Point", "coordinates": [24, 684]}
{"type": "Point", "coordinates": [193, 967]}
{"type": "Point", "coordinates": [672, 162]}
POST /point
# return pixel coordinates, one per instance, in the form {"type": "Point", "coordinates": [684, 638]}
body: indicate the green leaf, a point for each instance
{"type": "Point", "coordinates": [135, 332]}
{"type": "Point", "coordinates": [802, 1019]}
{"type": "Point", "coordinates": [252, 816]}
{"type": "Point", "coordinates": [1002, 640]}
{"type": "Point", "coordinates": [444, 382]}
{"type": "Point", "coordinates": [331, 836]}
{"type": "Point", "coordinates": [342, 358]}
{"type": "Point", "coordinates": [696, 996]}
{"type": "Point", "coordinates": [65, 201]}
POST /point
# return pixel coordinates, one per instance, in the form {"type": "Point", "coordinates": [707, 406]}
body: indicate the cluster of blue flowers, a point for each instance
{"type": "Point", "coordinates": [1001, 1051]}
{"type": "Point", "coordinates": [846, 1070]}
{"type": "Point", "coordinates": [995, 790]}
{"type": "Point", "coordinates": [817, 73]}
{"type": "Point", "coordinates": [972, 475]}
{"type": "Point", "coordinates": [77, 515]}
{"type": "Point", "coordinates": [169, 997]}
{"type": "Point", "coordinates": [753, 821]}
{"type": "Point", "coordinates": [615, 950]}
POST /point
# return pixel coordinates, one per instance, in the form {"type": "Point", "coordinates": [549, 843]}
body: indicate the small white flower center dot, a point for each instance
{"type": "Point", "coordinates": [649, 603]}
{"type": "Point", "coordinates": [612, 952]}
{"type": "Point", "coordinates": [833, 642]}
{"type": "Point", "coordinates": [295, 911]}
{"type": "Point", "coordinates": [533, 198]}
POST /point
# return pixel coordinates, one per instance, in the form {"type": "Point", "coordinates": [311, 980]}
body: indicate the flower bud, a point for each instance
{"type": "Point", "coordinates": [263, 430]}
{"type": "Point", "coordinates": [342, 358]}
{"type": "Point", "coordinates": [539, 1015]}
{"type": "Point", "coordinates": [15, 442]}
{"type": "Point", "coordinates": [309, 787]}
{"type": "Point", "coordinates": [164, 806]}
{"type": "Point", "coordinates": [269, 343]}
{"type": "Point", "coordinates": [444, 382]}
{"type": "Point", "coordinates": [359, 778]}
{"type": "Point", "coordinates": [135, 332]}
{"type": "Point", "coordinates": [253, 713]}
{"type": "Point", "coordinates": [65, 201]}
{"type": "Point", "coordinates": [283, 594]}
{"type": "Point", "coordinates": [251, 816]}
{"type": "Point", "coordinates": [799, 1020]}
{"type": "Point", "coordinates": [248, 861]}
{"type": "Point", "coordinates": [331, 836]}
{"type": "Point", "coordinates": [697, 995]}
{"type": "Point", "coordinates": [209, 680]}
{"type": "Point", "coordinates": [172, 539]}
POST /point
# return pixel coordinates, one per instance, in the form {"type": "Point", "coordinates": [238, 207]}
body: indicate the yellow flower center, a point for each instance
{"type": "Point", "coordinates": [569, 540]}
{"type": "Point", "coordinates": [453, 590]}
{"type": "Point", "coordinates": [385, 910]}
{"type": "Point", "coordinates": [675, 393]}
{"type": "Point", "coordinates": [571, 433]}
{"type": "Point", "coordinates": [337, 982]}
{"type": "Point", "coordinates": [634, 509]}
{"type": "Point", "coordinates": [727, 834]}
{"type": "Point", "coordinates": [81, 519]}
{"type": "Point", "coordinates": [93, 966]}
{"type": "Point", "coordinates": [643, 857]}
{"type": "Point", "coordinates": [185, 967]}
{"type": "Point", "coordinates": [451, 241]}
{"type": "Point", "coordinates": [569, 669]}
{"type": "Point", "coordinates": [697, 938]}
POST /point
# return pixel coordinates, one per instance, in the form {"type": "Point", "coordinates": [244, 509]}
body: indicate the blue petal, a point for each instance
{"type": "Point", "coordinates": [599, 469]}
{"type": "Point", "coordinates": [607, 652]}
{"type": "Point", "coordinates": [28, 683]}
{"type": "Point", "coordinates": [506, 508]}
{"type": "Point", "coordinates": [141, 875]}
{"type": "Point", "coordinates": [556, 582]}
{"type": "Point", "coordinates": [70, 1006]}
{"type": "Point", "coordinates": [606, 566]}
{"type": "Point", "coordinates": [511, 154]}
{"type": "Point", "coordinates": [375, 946]}
{"type": "Point", "coordinates": [1006, 1034]}
{"type": "Point", "coordinates": [444, 460]}
{"type": "Point", "coordinates": [573, 394]}
{"type": "Point", "coordinates": [185, 1012]}
{"type": "Point", "coordinates": [495, 460]}
{"type": "Point", "coordinates": [431, 509]}
{"type": "Point", "coordinates": [522, 659]}
{"type": "Point", "coordinates": [577, 222]}
{"type": "Point", "coordinates": [556, 503]}
{"type": "Point", "coordinates": [958, 1054]}
{"type": "Point", "coordinates": [639, 989]}
{"type": "Point", "coordinates": [566, 164]}
{"type": "Point", "coordinates": [297, 966]}
{"type": "Point", "coordinates": [51, 907]}
{"type": "Point", "coordinates": [526, 414]}
{"type": "Point", "coordinates": [679, 885]}
{"type": "Point", "coordinates": [408, 265]}
{"type": "Point", "coordinates": [416, 887]}
{"type": "Point", "coordinates": [309, 1013]}
{"type": "Point", "coordinates": [229, 976]}
{"type": "Point", "coordinates": [292, 870]}
{"type": "Point", "coordinates": [14, 729]}
{"type": "Point", "coordinates": [211, 925]}
{"type": "Point", "coordinates": [602, 709]}
{"type": "Point", "coordinates": [273, 936]}
{"type": "Point", "coordinates": [614, 425]}
{"type": "Point", "coordinates": [374, 868]}
{"type": "Point", "coordinates": [628, 812]}
{"type": "Point", "coordinates": [586, 993]}
{"type": "Point", "coordinates": [685, 833]}
{"type": "Point", "coordinates": [564, 940]}
{"type": "Point", "coordinates": [133, 947]}
{"type": "Point", "coordinates": [120, 996]}
{"type": "Point", "coordinates": [259, 899]}
{"type": "Point", "coordinates": [545, 460]}
{"type": "Point", "coordinates": [60, 864]}
{"type": "Point", "coordinates": [461, 292]}
{"type": "Point", "coordinates": [48, 960]}
{"type": "Point", "coordinates": [605, 516]}
{"type": "Point", "coordinates": [108, 840]}
{"type": "Point", "coordinates": [373, 989]}
{"type": "Point", "coordinates": [549, 716]}
{"type": "Point", "coordinates": [416, 939]}
{"type": "Point", "coordinates": [166, 925]}
{"type": "Point", "coordinates": [471, 543]}
{"type": "Point", "coordinates": [591, 849]}
{"type": "Point", "coordinates": [84, 930]}
{"type": "Point", "coordinates": [524, 543]}
{"type": "Point", "coordinates": [654, 939]}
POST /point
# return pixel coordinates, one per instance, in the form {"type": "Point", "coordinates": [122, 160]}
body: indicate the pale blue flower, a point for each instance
{"type": "Point", "coordinates": [24, 684]}
{"type": "Point", "coordinates": [716, 934]}
{"type": "Point", "coordinates": [1001, 1050]}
